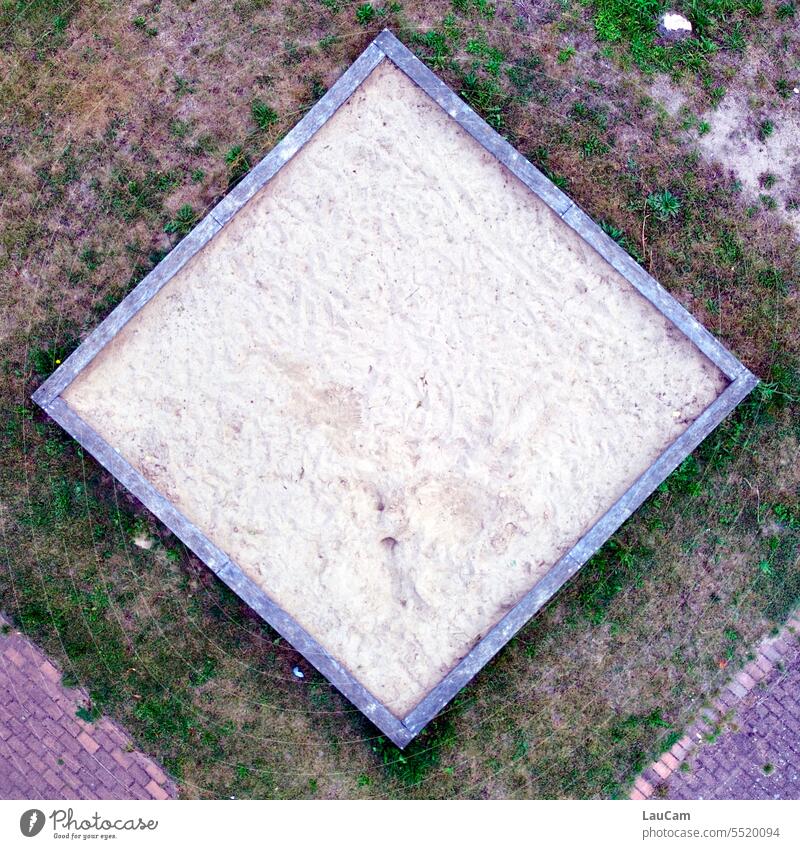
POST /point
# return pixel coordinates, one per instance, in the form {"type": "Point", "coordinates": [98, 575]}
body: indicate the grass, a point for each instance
{"type": "Point", "coordinates": [603, 679]}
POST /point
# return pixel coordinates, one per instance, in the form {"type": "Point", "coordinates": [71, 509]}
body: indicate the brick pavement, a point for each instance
{"type": "Point", "coordinates": [747, 746]}
{"type": "Point", "coordinates": [47, 752]}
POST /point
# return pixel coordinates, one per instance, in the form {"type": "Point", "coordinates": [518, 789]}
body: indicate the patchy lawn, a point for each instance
{"type": "Point", "coordinates": [122, 123]}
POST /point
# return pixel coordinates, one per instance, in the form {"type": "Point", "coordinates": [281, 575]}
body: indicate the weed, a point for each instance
{"type": "Point", "coordinates": [140, 22]}
{"type": "Point", "coordinates": [44, 361]}
{"type": "Point", "coordinates": [436, 47]}
{"type": "Point", "coordinates": [264, 115]}
{"type": "Point", "coordinates": [88, 713]}
{"type": "Point", "coordinates": [767, 180]}
{"type": "Point", "coordinates": [423, 753]}
{"type": "Point", "coordinates": [198, 175]}
{"type": "Point", "coordinates": [486, 96]}
{"type": "Point", "coordinates": [525, 75]}
{"type": "Point", "coordinates": [484, 8]}
{"type": "Point", "coordinates": [593, 146]}
{"type": "Point", "coordinates": [621, 239]}
{"type": "Point", "coordinates": [181, 86]}
{"type": "Point", "coordinates": [785, 11]}
{"type": "Point", "coordinates": [768, 768]}
{"type": "Point", "coordinates": [765, 129]}
{"type": "Point", "coordinates": [664, 204]}
{"type": "Point", "coordinates": [91, 258]}
{"type": "Point", "coordinates": [238, 163]}
{"type": "Point", "coordinates": [130, 197]}
{"type": "Point", "coordinates": [185, 218]}
{"type": "Point", "coordinates": [365, 14]}
{"type": "Point", "coordinates": [565, 54]}
{"type": "Point", "coordinates": [735, 39]}
{"type": "Point", "coordinates": [492, 57]}
{"type": "Point", "coordinates": [178, 129]}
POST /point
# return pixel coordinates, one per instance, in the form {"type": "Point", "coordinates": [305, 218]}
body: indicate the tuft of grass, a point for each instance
{"type": "Point", "coordinates": [238, 163]}
{"type": "Point", "coordinates": [263, 114]}
{"type": "Point", "coordinates": [785, 11]}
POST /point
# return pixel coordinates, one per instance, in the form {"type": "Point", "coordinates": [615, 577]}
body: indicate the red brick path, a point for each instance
{"type": "Point", "coordinates": [46, 752]}
{"type": "Point", "coordinates": [747, 746]}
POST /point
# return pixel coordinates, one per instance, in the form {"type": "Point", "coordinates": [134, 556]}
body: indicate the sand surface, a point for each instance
{"type": "Point", "coordinates": [395, 389]}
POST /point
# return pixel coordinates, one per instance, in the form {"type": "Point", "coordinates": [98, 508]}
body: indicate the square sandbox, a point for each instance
{"type": "Point", "coordinates": [395, 389]}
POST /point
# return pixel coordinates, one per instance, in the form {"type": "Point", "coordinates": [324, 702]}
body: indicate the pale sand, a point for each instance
{"type": "Point", "coordinates": [395, 389]}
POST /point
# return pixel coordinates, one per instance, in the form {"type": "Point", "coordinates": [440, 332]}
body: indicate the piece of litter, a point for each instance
{"type": "Point", "coordinates": [144, 541]}
{"type": "Point", "coordinates": [298, 672]}
{"type": "Point", "coordinates": [673, 25]}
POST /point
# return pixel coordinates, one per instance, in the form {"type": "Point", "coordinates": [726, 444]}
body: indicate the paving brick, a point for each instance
{"type": "Point", "coordinates": [765, 728]}
{"type": "Point", "coordinates": [764, 663]}
{"type": "Point", "coordinates": [637, 796]}
{"type": "Point", "coordinates": [53, 780]}
{"type": "Point", "coordinates": [46, 752]}
{"type": "Point", "coordinates": [122, 758]}
{"type": "Point", "coordinates": [14, 656]}
{"type": "Point", "coordinates": [745, 680]}
{"type": "Point", "coordinates": [88, 743]}
{"type": "Point", "coordinates": [155, 772]}
{"type": "Point", "coordinates": [156, 790]}
{"type": "Point", "coordinates": [661, 770]}
{"type": "Point", "coordinates": [50, 672]}
{"type": "Point", "coordinates": [670, 760]}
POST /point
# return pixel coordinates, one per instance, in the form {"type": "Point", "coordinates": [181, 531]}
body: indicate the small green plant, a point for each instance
{"type": "Point", "coordinates": [765, 129]}
{"type": "Point", "coordinates": [767, 180]}
{"type": "Point", "coordinates": [784, 87]}
{"type": "Point", "coordinates": [238, 162]}
{"type": "Point", "coordinates": [735, 39]}
{"type": "Point", "coordinates": [484, 8]}
{"type": "Point", "coordinates": [565, 54]}
{"type": "Point", "coordinates": [593, 146]}
{"type": "Point", "coordinates": [768, 202]}
{"type": "Point", "coordinates": [664, 205]}
{"type": "Point", "coordinates": [198, 175]}
{"type": "Point", "coordinates": [182, 86]}
{"type": "Point", "coordinates": [703, 127]}
{"type": "Point", "coordinates": [140, 22]}
{"type": "Point", "coordinates": [91, 258]}
{"type": "Point", "coordinates": [185, 218]}
{"type": "Point", "coordinates": [785, 11]}
{"type": "Point", "coordinates": [366, 14]}
{"type": "Point", "coordinates": [88, 713]}
{"type": "Point", "coordinates": [178, 129]}
{"type": "Point", "coordinates": [263, 114]}
{"type": "Point", "coordinates": [768, 768]}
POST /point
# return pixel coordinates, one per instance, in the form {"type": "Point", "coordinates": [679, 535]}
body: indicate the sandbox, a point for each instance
{"type": "Point", "coordinates": [396, 389]}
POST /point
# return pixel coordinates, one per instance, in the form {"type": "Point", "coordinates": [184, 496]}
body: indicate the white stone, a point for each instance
{"type": "Point", "coordinates": [673, 25]}
{"type": "Point", "coordinates": [143, 540]}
